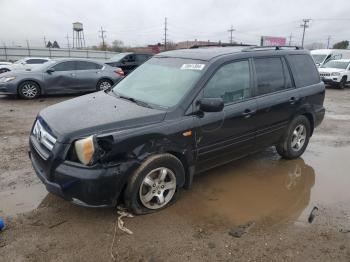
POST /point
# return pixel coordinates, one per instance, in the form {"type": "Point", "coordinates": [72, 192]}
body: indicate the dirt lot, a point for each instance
{"type": "Point", "coordinates": [269, 198]}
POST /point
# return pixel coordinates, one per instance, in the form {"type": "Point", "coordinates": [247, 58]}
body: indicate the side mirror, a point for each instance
{"type": "Point", "coordinates": [211, 104]}
{"type": "Point", "coordinates": [50, 70]}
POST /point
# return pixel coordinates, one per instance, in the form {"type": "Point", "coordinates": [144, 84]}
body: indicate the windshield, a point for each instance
{"type": "Point", "coordinates": [19, 61]}
{"type": "Point", "coordinates": [161, 81]}
{"type": "Point", "coordinates": [336, 64]}
{"type": "Point", "coordinates": [118, 57]}
{"type": "Point", "coordinates": [319, 58]}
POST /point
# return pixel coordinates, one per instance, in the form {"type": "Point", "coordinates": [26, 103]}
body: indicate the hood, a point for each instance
{"type": "Point", "coordinates": [94, 114]}
{"type": "Point", "coordinates": [329, 70]}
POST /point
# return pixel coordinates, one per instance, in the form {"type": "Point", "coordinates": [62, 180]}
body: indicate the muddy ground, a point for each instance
{"type": "Point", "coordinates": [273, 196]}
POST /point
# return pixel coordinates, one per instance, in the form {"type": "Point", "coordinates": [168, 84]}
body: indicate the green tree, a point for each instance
{"type": "Point", "coordinates": [341, 45]}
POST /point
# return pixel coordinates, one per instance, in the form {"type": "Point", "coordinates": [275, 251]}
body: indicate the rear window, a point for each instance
{"type": "Point", "coordinates": [304, 70]}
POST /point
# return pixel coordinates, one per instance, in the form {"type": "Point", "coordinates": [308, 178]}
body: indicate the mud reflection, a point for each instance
{"type": "Point", "coordinates": [265, 190]}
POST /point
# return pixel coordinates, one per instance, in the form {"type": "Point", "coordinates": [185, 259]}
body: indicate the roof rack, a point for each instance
{"type": "Point", "coordinates": [262, 48]}
{"type": "Point", "coordinates": [218, 45]}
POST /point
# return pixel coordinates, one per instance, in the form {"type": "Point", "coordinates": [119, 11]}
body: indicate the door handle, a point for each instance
{"type": "Point", "coordinates": [292, 100]}
{"type": "Point", "coordinates": [72, 74]}
{"type": "Point", "coordinates": [248, 112]}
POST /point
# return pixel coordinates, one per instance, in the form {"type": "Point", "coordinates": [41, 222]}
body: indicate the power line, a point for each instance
{"type": "Point", "coordinates": [304, 25]}
{"type": "Point", "coordinates": [165, 33]}
{"type": "Point", "coordinates": [103, 36]}
{"type": "Point", "coordinates": [231, 31]}
{"type": "Point", "coordinates": [328, 39]}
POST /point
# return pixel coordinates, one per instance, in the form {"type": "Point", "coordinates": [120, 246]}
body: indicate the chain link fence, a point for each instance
{"type": "Point", "coordinates": [15, 53]}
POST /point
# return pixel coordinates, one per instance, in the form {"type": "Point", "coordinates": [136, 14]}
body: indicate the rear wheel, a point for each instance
{"type": "Point", "coordinates": [29, 90]}
{"type": "Point", "coordinates": [153, 186]}
{"type": "Point", "coordinates": [104, 84]}
{"type": "Point", "coordinates": [296, 138]}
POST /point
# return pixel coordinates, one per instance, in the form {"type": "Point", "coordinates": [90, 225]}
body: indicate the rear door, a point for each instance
{"type": "Point", "coordinates": [277, 99]}
{"type": "Point", "coordinates": [87, 75]}
{"type": "Point", "coordinates": [63, 79]}
{"type": "Point", "coordinates": [223, 136]}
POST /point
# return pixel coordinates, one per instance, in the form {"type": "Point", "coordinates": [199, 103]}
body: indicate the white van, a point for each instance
{"type": "Point", "coordinates": [322, 56]}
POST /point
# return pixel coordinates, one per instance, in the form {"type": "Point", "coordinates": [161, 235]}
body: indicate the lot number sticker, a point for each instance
{"type": "Point", "coordinates": [192, 66]}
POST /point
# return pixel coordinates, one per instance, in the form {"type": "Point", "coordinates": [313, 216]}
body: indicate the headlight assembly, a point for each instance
{"type": "Point", "coordinates": [7, 79]}
{"type": "Point", "coordinates": [85, 149]}
{"type": "Point", "coordinates": [335, 74]}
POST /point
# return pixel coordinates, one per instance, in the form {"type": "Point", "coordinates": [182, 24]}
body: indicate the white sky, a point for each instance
{"type": "Point", "coordinates": [142, 22]}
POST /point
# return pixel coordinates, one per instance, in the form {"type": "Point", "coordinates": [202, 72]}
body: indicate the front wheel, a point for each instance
{"type": "Point", "coordinates": [342, 83]}
{"type": "Point", "coordinates": [29, 90]}
{"type": "Point", "coordinates": [296, 138]}
{"type": "Point", "coordinates": [153, 186]}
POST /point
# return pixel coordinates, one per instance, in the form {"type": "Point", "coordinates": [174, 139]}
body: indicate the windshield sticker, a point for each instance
{"type": "Point", "coordinates": [192, 66]}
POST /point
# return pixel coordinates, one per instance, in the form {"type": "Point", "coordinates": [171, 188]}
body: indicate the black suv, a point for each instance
{"type": "Point", "coordinates": [180, 113]}
{"type": "Point", "coordinates": [128, 61]}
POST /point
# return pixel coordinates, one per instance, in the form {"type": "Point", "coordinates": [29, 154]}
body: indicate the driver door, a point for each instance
{"type": "Point", "coordinates": [224, 136]}
{"type": "Point", "coordinates": [63, 78]}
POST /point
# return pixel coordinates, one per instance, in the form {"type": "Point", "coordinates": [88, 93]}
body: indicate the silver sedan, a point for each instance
{"type": "Point", "coordinates": [60, 76]}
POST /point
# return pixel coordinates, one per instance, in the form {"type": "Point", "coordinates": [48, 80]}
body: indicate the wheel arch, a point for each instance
{"type": "Point", "coordinates": [311, 119]}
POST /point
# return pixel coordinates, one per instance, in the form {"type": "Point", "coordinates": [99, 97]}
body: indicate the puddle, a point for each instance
{"type": "Point", "coordinates": [269, 190]}
{"type": "Point", "coordinates": [21, 199]}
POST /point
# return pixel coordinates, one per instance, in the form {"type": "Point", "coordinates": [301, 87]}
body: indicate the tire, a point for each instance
{"type": "Point", "coordinates": [104, 84]}
{"type": "Point", "coordinates": [145, 188]}
{"type": "Point", "coordinates": [28, 90]}
{"type": "Point", "coordinates": [342, 83]}
{"type": "Point", "coordinates": [288, 148]}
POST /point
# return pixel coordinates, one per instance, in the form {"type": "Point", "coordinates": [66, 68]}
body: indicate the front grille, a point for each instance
{"type": "Point", "coordinates": [325, 74]}
{"type": "Point", "coordinates": [43, 136]}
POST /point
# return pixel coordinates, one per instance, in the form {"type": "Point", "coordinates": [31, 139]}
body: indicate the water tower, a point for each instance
{"type": "Point", "coordinates": [78, 35]}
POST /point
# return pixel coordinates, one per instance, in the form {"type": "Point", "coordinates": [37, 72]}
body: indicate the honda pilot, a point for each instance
{"type": "Point", "coordinates": [179, 114]}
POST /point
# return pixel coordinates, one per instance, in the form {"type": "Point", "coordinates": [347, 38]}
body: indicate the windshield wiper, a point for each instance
{"type": "Point", "coordinates": [141, 103]}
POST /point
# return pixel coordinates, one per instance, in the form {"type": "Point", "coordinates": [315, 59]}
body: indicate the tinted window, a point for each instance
{"type": "Point", "coordinates": [142, 58]}
{"type": "Point", "coordinates": [84, 65]}
{"type": "Point", "coordinates": [231, 82]}
{"type": "Point", "coordinates": [65, 66]}
{"type": "Point", "coordinates": [36, 61]}
{"type": "Point", "coordinates": [130, 58]}
{"type": "Point", "coordinates": [304, 70]}
{"type": "Point", "coordinates": [269, 74]}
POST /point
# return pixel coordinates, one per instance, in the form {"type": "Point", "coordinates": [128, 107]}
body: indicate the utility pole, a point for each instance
{"type": "Point", "coordinates": [28, 47]}
{"type": "Point", "coordinates": [103, 36]}
{"type": "Point", "coordinates": [290, 39]}
{"type": "Point", "coordinates": [231, 31]}
{"type": "Point", "coordinates": [165, 33]}
{"type": "Point", "coordinates": [304, 25]}
{"type": "Point", "coordinates": [328, 40]}
{"type": "Point", "coordinates": [68, 45]}
{"type": "Point", "coordinates": [44, 41]}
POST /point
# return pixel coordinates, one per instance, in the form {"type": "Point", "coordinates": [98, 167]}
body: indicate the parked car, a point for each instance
{"type": "Point", "coordinates": [24, 64]}
{"type": "Point", "coordinates": [322, 56]}
{"type": "Point", "coordinates": [60, 76]}
{"type": "Point", "coordinates": [179, 114]}
{"type": "Point", "coordinates": [336, 72]}
{"type": "Point", "coordinates": [128, 61]}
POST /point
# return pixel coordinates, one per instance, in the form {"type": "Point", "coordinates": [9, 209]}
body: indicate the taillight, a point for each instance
{"type": "Point", "coordinates": [119, 72]}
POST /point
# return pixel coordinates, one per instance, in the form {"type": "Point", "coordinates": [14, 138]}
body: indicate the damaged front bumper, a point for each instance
{"type": "Point", "coordinates": [97, 186]}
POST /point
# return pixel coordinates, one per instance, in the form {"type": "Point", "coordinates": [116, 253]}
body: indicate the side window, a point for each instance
{"type": "Point", "coordinates": [287, 76]}
{"type": "Point", "coordinates": [231, 82]}
{"type": "Point", "coordinates": [84, 65]}
{"type": "Point", "coordinates": [142, 58]}
{"type": "Point", "coordinates": [65, 66]}
{"type": "Point", "coordinates": [304, 70]}
{"type": "Point", "coordinates": [269, 74]}
{"type": "Point", "coordinates": [130, 58]}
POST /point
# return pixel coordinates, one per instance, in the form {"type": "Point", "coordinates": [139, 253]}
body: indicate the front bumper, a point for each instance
{"type": "Point", "coordinates": [331, 80]}
{"type": "Point", "coordinates": [8, 88]}
{"type": "Point", "coordinates": [84, 186]}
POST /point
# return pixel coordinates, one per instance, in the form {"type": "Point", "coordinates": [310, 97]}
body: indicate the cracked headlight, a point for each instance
{"type": "Point", "coordinates": [85, 149]}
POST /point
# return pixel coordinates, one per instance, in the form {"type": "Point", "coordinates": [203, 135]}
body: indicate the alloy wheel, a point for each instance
{"type": "Point", "coordinates": [298, 137]}
{"type": "Point", "coordinates": [29, 90]}
{"type": "Point", "coordinates": [105, 85]}
{"type": "Point", "coordinates": [157, 188]}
